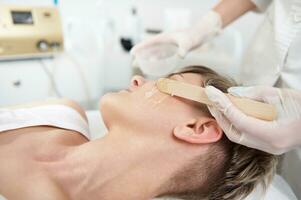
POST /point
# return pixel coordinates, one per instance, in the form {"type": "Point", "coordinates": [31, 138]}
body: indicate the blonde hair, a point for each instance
{"type": "Point", "coordinates": [231, 171]}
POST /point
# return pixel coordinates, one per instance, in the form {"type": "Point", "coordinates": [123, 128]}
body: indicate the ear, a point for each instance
{"type": "Point", "coordinates": [199, 131]}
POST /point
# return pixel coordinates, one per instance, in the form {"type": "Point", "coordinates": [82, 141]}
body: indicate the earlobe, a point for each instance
{"type": "Point", "coordinates": [201, 131]}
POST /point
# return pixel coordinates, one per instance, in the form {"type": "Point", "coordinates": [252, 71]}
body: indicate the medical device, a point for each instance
{"type": "Point", "coordinates": [250, 107]}
{"type": "Point", "coordinates": [27, 31]}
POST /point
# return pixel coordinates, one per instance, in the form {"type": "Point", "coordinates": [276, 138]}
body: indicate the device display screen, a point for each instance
{"type": "Point", "coordinates": [22, 17]}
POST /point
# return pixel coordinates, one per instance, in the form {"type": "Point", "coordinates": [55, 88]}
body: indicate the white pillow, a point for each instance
{"type": "Point", "coordinates": [278, 190]}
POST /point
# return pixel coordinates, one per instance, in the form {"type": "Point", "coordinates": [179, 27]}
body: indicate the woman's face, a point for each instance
{"type": "Point", "coordinates": [142, 107]}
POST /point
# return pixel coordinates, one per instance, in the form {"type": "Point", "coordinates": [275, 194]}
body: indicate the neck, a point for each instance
{"type": "Point", "coordinates": [121, 166]}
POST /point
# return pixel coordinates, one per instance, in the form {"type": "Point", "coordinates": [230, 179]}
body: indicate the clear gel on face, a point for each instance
{"type": "Point", "coordinates": [150, 96]}
{"type": "Point", "coordinates": [151, 93]}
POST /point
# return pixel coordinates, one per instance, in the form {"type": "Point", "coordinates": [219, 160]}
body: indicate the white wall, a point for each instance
{"type": "Point", "coordinates": [92, 29]}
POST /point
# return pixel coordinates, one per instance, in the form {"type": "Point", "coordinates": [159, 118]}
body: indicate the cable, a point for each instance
{"type": "Point", "coordinates": [54, 86]}
{"type": "Point", "coordinates": [78, 66]}
{"type": "Point", "coordinates": [51, 78]}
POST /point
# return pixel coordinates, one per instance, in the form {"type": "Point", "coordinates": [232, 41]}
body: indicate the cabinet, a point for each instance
{"type": "Point", "coordinates": [22, 82]}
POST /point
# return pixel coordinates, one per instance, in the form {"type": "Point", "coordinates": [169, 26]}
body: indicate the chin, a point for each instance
{"type": "Point", "coordinates": [111, 106]}
{"type": "Point", "coordinates": [112, 98]}
{"type": "Point", "coordinates": [105, 101]}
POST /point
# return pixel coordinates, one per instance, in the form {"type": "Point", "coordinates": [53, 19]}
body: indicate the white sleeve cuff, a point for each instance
{"type": "Point", "coordinates": [261, 5]}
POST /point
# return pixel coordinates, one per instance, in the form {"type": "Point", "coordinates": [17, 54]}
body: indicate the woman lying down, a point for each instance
{"type": "Point", "coordinates": [157, 145]}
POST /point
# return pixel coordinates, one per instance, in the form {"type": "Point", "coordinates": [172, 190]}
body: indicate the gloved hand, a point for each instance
{"type": "Point", "coordinates": [208, 27]}
{"type": "Point", "coordinates": [275, 137]}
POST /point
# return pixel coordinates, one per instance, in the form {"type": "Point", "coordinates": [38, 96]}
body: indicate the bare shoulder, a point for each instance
{"type": "Point", "coordinates": [64, 101]}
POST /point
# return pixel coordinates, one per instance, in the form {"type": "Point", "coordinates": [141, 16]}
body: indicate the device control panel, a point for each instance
{"type": "Point", "coordinates": [29, 31]}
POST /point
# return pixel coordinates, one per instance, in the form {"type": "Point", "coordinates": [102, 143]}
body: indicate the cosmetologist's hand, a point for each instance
{"type": "Point", "coordinates": [207, 28]}
{"type": "Point", "coordinates": [275, 137]}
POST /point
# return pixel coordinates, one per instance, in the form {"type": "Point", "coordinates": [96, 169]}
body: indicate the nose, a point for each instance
{"type": "Point", "coordinates": [137, 81]}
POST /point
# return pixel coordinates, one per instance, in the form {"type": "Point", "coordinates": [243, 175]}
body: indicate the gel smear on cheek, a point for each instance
{"type": "Point", "coordinates": [151, 93]}
{"type": "Point", "coordinates": [150, 96]}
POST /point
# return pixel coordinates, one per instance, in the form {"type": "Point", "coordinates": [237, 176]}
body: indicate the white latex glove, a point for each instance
{"type": "Point", "coordinates": [275, 137]}
{"type": "Point", "coordinates": [208, 27]}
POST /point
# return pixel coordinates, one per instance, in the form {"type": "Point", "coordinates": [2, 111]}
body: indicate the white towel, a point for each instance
{"type": "Point", "coordinates": [50, 115]}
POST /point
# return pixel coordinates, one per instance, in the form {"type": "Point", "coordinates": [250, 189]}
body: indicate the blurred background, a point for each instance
{"type": "Point", "coordinates": [79, 49]}
{"type": "Point", "coordinates": [98, 35]}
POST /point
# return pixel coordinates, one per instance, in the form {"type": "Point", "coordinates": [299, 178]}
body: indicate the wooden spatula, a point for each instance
{"type": "Point", "coordinates": [250, 107]}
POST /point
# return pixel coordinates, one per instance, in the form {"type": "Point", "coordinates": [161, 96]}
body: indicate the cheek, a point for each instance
{"type": "Point", "coordinates": [145, 110]}
{"type": "Point", "coordinates": [149, 111]}
{"type": "Point", "coordinates": [163, 113]}
{"type": "Point", "coordinates": [152, 98]}
{"type": "Point", "coordinates": [142, 109]}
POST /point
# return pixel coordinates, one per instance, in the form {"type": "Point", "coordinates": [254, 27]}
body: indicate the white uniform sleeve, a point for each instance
{"type": "Point", "coordinates": [261, 5]}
